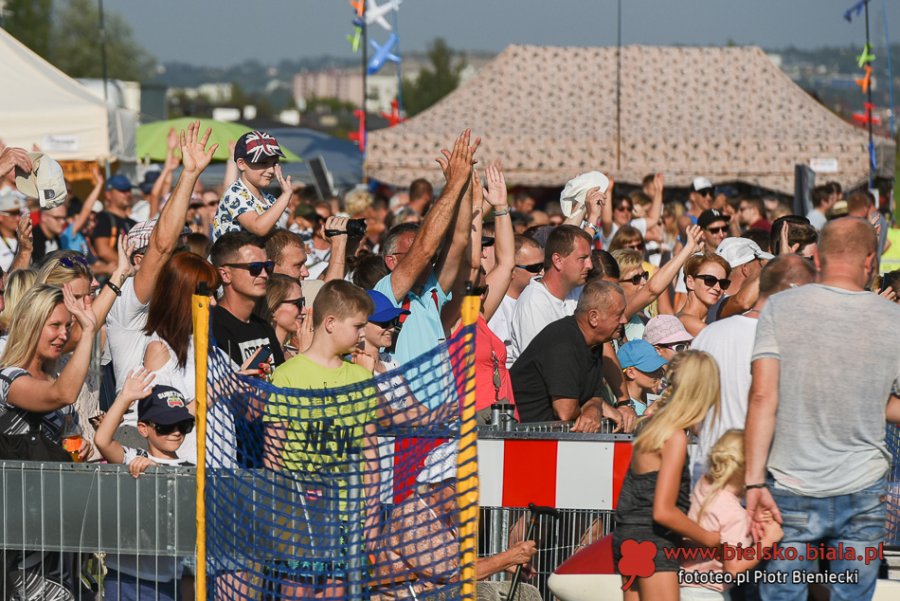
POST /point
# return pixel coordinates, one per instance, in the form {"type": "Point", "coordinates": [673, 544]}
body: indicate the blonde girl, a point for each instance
{"type": "Point", "coordinates": [716, 505]}
{"type": "Point", "coordinates": [654, 499]}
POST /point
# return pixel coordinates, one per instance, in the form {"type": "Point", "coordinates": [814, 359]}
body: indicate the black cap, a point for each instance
{"type": "Point", "coordinates": [257, 146]}
{"type": "Point", "coordinates": [164, 406]}
{"type": "Point", "coordinates": [710, 216]}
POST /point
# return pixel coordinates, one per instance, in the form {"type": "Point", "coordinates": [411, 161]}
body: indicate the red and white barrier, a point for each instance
{"type": "Point", "coordinates": [565, 474]}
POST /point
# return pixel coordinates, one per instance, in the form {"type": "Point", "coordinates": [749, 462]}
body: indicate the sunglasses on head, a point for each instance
{"type": "Point", "coordinates": [394, 323]}
{"type": "Point", "coordinates": [183, 427]}
{"type": "Point", "coordinates": [533, 268]}
{"type": "Point", "coordinates": [711, 280]}
{"type": "Point", "coordinates": [255, 268]}
{"type": "Point", "coordinates": [69, 261]}
{"type": "Point", "coordinates": [678, 347]}
{"type": "Point", "coordinates": [299, 302]}
{"type": "Point", "coordinates": [717, 230]}
{"type": "Point", "coordinates": [637, 278]}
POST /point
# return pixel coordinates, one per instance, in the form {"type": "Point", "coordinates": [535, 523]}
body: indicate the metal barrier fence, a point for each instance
{"type": "Point", "coordinates": [54, 517]}
{"type": "Point", "coordinates": [557, 538]}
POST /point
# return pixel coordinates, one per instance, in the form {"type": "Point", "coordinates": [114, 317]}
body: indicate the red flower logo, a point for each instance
{"type": "Point", "coordinates": [637, 560]}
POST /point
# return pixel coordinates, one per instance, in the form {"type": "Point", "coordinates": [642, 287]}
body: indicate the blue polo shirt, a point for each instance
{"type": "Point", "coordinates": [422, 329]}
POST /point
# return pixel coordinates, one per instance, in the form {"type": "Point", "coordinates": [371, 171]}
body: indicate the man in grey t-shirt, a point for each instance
{"type": "Point", "coordinates": [825, 364]}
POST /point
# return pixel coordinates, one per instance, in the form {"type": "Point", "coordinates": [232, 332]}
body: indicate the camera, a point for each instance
{"type": "Point", "coordinates": [356, 228]}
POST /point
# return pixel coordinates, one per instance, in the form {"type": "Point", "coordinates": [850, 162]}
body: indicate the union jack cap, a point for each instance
{"type": "Point", "coordinates": [256, 146]}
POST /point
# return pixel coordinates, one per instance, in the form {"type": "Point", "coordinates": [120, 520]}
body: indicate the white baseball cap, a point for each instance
{"type": "Point", "coordinates": [738, 251]}
{"type": "Point", "coordinates": [701, 183]}
{"type": "Point", "coordinates": [46, 181]}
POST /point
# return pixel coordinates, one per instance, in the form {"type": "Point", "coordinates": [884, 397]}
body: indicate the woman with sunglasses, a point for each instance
{"type": "Point", "coordinates": [285, 309]}
{"type": "Point", "coordinates": [70, 268]}
{"type": "Point", "coordinates": [642, 290]}
{"type": "Point", "coordinates": [35, 394]}
{"type": "Point", "coordinates": [706, 279]}
{"type": "Point", "coordinates": [170, 348]}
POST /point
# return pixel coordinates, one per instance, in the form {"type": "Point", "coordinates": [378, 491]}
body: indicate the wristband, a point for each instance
{"type": "Point", "coordinates": [502, 212]}
{"type": "Point", "coordinates": [627, 403]}
{"type": "Point", "coordinates": [760, 485]}
{"type": "Point", "coordinates": [587, 223]}
{"type": "Point", "coordinates": [114, 288]}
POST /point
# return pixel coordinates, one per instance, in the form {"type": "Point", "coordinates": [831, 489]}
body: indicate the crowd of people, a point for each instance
{"type": "Point", "coordinates": [763, 334]}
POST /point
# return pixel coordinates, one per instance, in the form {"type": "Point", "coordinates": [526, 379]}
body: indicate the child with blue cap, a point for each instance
{"type": "Point", "coordinates": [643, 369]}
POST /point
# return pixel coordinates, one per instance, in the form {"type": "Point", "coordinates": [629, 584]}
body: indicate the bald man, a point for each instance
{"type": "Point", "coordinates": [825, 364]}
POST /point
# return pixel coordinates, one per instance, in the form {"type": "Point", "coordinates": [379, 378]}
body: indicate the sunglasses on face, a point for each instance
{"type": "Point", "coordinates": [69, 261]}
{"type": "Point", "coordinates": [678, 347]}
{"type": "Point", "coordinates": [183, 428]}
{"type": "Point", "coordinates": [386, 325]}
{"type": "Point", "coordinates": [637, 278]}
{"type": "Point", "coordinates": [717, 230]}
{"type": "Point", "coordinates": [705, 192]}
{"type": "Point", "coordinates": [533, 268]}
{"type": "Point", "coordinates": [635, 246]}
{"type": "Point", "coordinates": [255, 268]}
{"type": "Point", "coordinates": [711, 280]}
{"type": "Point", "coordinates": [624, 208]}
{"type": "Point", "coordinates": [487, 241]}
{"type": "Point", "coordinates": [298, 302]}
{"type": "Point", "coordinates": [480, 290]}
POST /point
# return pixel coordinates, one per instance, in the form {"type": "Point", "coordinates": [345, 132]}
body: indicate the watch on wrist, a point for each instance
{"type": "Point", "coordinates": [625, 403]}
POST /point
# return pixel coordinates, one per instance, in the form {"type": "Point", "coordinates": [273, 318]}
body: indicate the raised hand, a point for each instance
{"type": "Point", "coordinates": [457, 165]}
{"type": "Point", "coordinates": [194, 154]}
{"type": "Point", "coordinates": [138, 384]}
{"type": "Point", "coordinates": [96, 174]}
{"type": "Point", "coordinates": [497, 195]}
{"type": "Point", "coordinates": [594, 201]}
{"type": "Point", "coordinates": [10, 158]}
{"type": "Point", "coordinates": [23, 233]}
{"type": "Point", "coordinates": [284, 182]}
{"type": "Point", "coordinates": [125, 248]}
{"type": "Point", "coordinates": [477, 193]}
{"type": "Point", "coordinates": [694, 237]}
{"type": "Point", "coordinates": [79, 308]}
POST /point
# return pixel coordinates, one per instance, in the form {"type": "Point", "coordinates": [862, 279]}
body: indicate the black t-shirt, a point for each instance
{"type": "Point", "coordinates": [240, 340]}
{"type": "Point", "coordinates": [558, 362]}
{"type": "Point", "coordinates": [110, 226]}
{"type": "Point", "coordinates": [43, 245]}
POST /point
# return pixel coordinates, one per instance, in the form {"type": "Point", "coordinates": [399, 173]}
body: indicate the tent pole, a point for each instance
{"type": "Point", "coordinates": [365, 67]}
{"type": "Point", "coordinates": [619, 91]}
{"type": "Point", "coordinates": [103, 67]}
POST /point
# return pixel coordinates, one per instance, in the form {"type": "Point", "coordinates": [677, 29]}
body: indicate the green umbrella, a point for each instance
{"type": "Point", "coordinates": [152, 138]}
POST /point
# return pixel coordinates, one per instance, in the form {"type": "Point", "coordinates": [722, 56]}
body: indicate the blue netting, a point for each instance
{"type": "Point", "coordinates": [346, 493]}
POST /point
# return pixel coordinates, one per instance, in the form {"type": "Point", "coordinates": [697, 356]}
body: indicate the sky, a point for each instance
{"type": "Point", "coordinates": [226, 32]}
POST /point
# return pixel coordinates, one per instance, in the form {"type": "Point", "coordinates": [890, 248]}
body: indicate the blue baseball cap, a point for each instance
{"type": "Point", "coordinates": [164, 406]}
{"type": "Point", "coordinates": [119, 182]}
{"type": "Point", "coordinates": [641, 355]}
{"type": "Point", "coordinates": [385, 310]}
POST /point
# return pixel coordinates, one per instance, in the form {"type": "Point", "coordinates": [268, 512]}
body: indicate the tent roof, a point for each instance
{"type": "Point", "coordinates": [549, 113]}
{"type": "Point", "coordinates": [42, 105]}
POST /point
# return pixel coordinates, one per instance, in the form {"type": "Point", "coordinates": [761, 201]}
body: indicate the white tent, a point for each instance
{"type": "Point", "coordinates": [39, 104]}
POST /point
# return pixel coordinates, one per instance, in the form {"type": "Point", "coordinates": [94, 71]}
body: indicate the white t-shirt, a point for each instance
{"type": "Point", "coordinates": [535, 310]}
{"type": "Point", "coordinates": [730, 342]}
{"type": "Point", "coordinates": [640, 223]}
{"type": "Point", "coordinates": [817, 218]}
{"type": "Point", "coordinates": [127, 341]}
{"type": "Point", "coordinates": [8, 248]}
{"type": "Point", "coordinates": [501, 322]}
